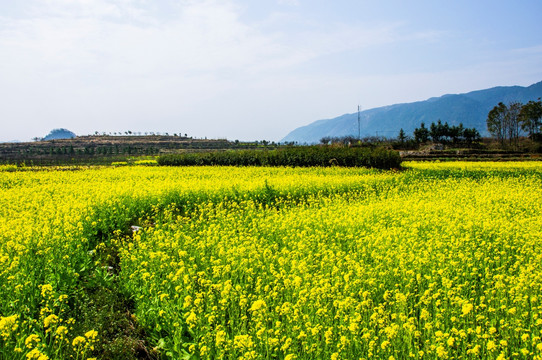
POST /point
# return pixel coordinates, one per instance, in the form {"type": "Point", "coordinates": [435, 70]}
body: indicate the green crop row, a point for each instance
{"type": "Point", "coordinates": [300, 156]}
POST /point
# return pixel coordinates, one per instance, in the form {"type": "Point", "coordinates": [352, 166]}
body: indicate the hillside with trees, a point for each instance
{"type": "Point", "coordinates": [469, 109]}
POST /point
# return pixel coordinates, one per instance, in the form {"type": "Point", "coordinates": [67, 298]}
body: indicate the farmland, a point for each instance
{"type": "Point", "coordinates": [442, 260]}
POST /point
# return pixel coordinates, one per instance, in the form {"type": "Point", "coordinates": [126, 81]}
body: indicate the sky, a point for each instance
{"type": "Point", "coordinates": [245, 69]}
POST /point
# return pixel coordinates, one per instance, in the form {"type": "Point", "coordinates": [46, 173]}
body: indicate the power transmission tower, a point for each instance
{"type": "Point", "coordinates": [359, 124]}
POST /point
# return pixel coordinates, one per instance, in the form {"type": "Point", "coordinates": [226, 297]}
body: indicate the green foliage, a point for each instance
{"type": "Point", "coordinates": [421, 134]}
{"type": "Point", "coordinates": [402, 136]}
{"type": "Point", "coordinates": [503, 122]}
{"type": "Point", "coordinates": [291, 156]}
{"type": "Point", "coordinates": [530, 118]}
{"type": "Point", "coordinates": [444, 133]}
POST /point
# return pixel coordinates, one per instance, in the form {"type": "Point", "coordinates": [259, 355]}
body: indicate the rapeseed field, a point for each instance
{"type": "Point", "coordinates": [439, 261]}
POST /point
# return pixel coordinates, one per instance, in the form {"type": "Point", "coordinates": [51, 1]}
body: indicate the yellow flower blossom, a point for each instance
{"type": "Point", "coordinates": [91, 334]}
{"type": "Point", "coordinates": [31, 340]}
{"type": "Point", "coordinates": [46, 289]}
{"type": "Point", "coordinates": [77, 341]}
{"type": "Point", "coordinates": [466, 308]}
{"type": "Point", "coordinates": [50, 320]}
{"type": "Point", "coordinates": [491, 345]}
{"type": "Point", "coordinates": [36, 354]}
{"type": "Point", "coordinates": [61, 330]}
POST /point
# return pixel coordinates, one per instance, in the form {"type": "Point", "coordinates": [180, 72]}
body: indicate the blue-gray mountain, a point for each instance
{"type": "Point", "coordinates": [58, 134]}
{"type": "Point", "coordinates": [471, 109]}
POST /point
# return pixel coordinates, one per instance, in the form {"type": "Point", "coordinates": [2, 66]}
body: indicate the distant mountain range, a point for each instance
{"type": "Point", "coordinates": [470, 109]}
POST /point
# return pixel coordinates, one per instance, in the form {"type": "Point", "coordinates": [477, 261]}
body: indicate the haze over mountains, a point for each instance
{"type": "Point", "coordinates": [470, 109]}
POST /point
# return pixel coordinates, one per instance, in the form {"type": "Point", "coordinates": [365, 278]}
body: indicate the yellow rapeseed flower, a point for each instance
{"type": "Point", "coordinates": [30, 340]}
{"type": "Point", "coordinates": [50, 320]}
{"type": "Point", "coordinates": [77, 341]}
{"type": "Point", "coordinates": [91, 334]}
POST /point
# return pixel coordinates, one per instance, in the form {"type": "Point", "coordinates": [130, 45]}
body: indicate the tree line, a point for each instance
{"type": "Point", "coordinates": [506, 122]}
{"type": "Point", "coordinates": [437, 133]}
{"type": "Point", "coordinates": [444, 133]}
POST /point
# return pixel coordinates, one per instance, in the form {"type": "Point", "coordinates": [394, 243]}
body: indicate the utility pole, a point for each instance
{"type": "Point", "coordinates": [359, 124]}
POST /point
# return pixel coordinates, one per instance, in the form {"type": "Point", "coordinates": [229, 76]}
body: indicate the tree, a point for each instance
{"type": "Point", "coordinates": [530, 118]}
{"type": "Point", "coordinates": [445, 132]}
{"type": "Point", "coordinates": [471, 135]}
{"type": "Point", "coordinates": [456, 133]}
{"type": "Point", "coordinates": [438, 131]}
{"type": "Point", "coordinates": [496, 122]}
{"type": "Point", "coordinates": [402, 136]}
{"type": "Point", "coordinates": [503, 122]}
{"type": "Point", "coordinates": [325, 140]}
{"type": "Point", "coordinates": [512, 119]}
{"type": "Point", "coordinates": [421, 134]}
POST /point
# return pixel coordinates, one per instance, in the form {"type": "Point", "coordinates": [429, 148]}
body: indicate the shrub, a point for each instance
{"type": "Point", "coordinates": [298, 156]}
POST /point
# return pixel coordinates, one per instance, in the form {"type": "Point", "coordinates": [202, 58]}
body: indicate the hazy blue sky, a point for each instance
{"type": "Point", "coordinates": [246, 69]}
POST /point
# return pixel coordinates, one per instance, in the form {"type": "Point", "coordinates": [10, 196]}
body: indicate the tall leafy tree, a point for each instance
{"type": "Point", "coordinates": [513, 124]}
{"type": "Point", "coordinates": [496, 122]}
{"type": "Point", "coordinates": [530, 118]}
{"type": "Point", "coordinates": [503, 122]}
